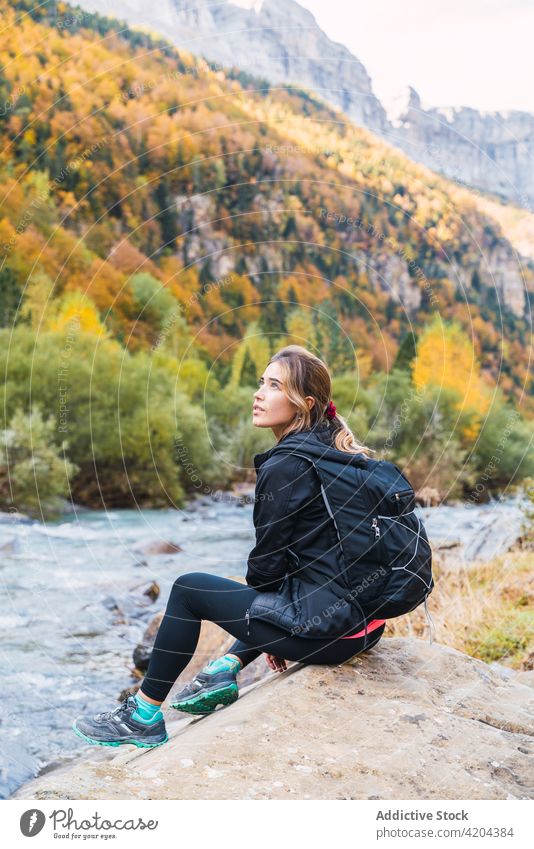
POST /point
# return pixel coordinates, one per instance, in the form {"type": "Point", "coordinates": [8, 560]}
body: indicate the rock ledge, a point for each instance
{"type": "Point", "coordinates": [407, 720]}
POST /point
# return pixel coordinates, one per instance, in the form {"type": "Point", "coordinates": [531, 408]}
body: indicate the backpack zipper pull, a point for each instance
{"type": "Point", "coordinates": [247, 617]}
{"type": "Point", "coordinates": [376, 527]}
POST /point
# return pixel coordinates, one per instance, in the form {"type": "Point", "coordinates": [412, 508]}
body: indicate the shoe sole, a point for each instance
{"type": "Point", "coordinates": [137, 743]}
{"type": "Point", "coordinates": [207, 702]}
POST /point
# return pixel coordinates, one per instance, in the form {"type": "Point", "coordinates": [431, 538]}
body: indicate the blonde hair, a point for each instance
{"type": "Point", "coordinates": [305, 374]}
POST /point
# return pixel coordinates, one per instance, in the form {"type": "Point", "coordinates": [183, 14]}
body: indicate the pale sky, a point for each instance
{"type": "Point", "coordinates": [477, 53]}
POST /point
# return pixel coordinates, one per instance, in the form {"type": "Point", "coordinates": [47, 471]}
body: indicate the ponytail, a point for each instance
{"type": "Point", "coordinates": [344, 439]}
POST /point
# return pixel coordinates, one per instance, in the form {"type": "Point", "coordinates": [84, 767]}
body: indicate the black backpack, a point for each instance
{"type": "Point", "coordinates": [386, 552]}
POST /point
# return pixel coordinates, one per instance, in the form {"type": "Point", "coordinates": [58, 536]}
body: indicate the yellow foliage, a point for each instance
{"type": "Point", "coordinates": [300, 329]}
{"type": "Point", "coordinates": [446, 358]}
{"type": "Point", "coordinates": [79, 314]}
{"type": "Point", "coordinates": [38, 303]}
{"type": "Point", "coordinates": [193, 377]}
{"type": "Point", "coordinates": [364, 365]}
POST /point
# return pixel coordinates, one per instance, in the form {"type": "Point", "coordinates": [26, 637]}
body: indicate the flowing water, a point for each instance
{"type": "Point", "coordinates": [73, 605]}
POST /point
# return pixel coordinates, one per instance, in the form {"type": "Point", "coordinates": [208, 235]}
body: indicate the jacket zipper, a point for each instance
{"type": "Point", "coordinates": [395, 496]}
{"type": "Point", "coordinates": [378, 543]}
{"type": "Point", "coordinates": [247, 617]}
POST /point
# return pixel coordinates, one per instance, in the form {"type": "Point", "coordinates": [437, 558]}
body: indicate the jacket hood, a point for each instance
{"type": "Point", "coordinates": [316, 442]}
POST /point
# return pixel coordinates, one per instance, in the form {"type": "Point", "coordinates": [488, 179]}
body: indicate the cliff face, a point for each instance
{"type": "Point", "coordinates": [407, 720]}
{"type": "Point", "coordinates": [491, 151]}
{"type": "Point", "coordinates": [281, 42]}
{"type": "Point", "coordinates": [276, 40]}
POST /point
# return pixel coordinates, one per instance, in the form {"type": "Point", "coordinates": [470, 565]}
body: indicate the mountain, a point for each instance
{"type": "Point", "coordinates": [276, 40]}
{"type": "Point", "coordinates": [165, 227]}
{"type": "Point", "coordinates": [280, 41]}
{"type": "Point", "coordinates": [125, 155]}
{"type": "Point", "coordinates": [491, 151]}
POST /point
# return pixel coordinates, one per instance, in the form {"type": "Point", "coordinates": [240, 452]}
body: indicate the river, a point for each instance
{"type": "Point", "coordinates": [73, 608]}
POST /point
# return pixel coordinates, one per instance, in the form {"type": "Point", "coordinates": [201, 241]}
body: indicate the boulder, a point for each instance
{"type": "Point", "coordinates": [142, 652]}
{"type": "Point", "coordinates": [152, 591]}
{"type": "Point", "coordinates": [134, 605]}
{"type": "Point", "coordinates": [158, 547]}
{"type": "Point", "coordinates": [405, 720]}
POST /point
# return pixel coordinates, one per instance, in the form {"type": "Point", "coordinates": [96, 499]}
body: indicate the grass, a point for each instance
{"type": "Point", "coordinates": [485, 609]}
{"type": "Point", "coordinates": [509, 640]}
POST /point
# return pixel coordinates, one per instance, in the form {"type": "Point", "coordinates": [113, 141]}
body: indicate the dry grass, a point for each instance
{"type": "Point", "coordinates": [484, 609]}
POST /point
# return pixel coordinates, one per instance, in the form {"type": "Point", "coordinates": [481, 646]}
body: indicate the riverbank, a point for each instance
{"type": "Point", "coordinates": [78, 609]}
{"type": "Point", "coordinates": [444, 707]}
{"type": "Point", "coordinates": [75, 609]}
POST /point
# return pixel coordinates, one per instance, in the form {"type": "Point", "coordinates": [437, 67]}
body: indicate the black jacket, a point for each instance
{"type": "Point", "coordinates": [296, 562]}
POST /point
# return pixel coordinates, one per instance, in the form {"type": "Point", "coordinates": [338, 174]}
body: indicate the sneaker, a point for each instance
{"type": "Point", "coordinates": [115, 727]}
{"type": "Point", "coordinates": [206, 691]}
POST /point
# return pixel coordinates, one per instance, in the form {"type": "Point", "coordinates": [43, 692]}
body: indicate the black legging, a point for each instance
{"type": "Point", "coordinates": [199, 595]}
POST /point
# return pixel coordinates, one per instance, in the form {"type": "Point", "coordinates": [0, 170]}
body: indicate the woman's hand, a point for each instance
{"type": "Point", "coordinates": [276, 663]}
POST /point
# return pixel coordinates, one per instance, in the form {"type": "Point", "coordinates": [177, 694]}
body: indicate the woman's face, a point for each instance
{"type": "Point", "coordinates": [272, 408]}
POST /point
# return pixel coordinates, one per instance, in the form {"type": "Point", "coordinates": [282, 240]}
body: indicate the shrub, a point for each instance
{"type": "Point", "coordinates": [34, 473]}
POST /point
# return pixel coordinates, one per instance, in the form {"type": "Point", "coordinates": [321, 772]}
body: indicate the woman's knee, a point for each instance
{"type": "Point", "coordinates": [186, 592]}
{"type": "Point", "coordinates": [190, 580]}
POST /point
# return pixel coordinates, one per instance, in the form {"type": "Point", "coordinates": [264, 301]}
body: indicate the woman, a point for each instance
{"type": "Point", "coordinates": [294, 533]}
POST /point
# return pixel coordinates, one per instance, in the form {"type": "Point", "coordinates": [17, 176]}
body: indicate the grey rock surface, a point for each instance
{"type": "Point", "coordinates": [406, 720]}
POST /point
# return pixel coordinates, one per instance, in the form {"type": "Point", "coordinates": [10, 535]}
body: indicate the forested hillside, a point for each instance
{"type": "Point", "coordinates": [165, 225]}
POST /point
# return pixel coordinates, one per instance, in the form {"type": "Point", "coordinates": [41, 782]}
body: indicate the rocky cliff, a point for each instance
{"type": "Point", "coordinates": [276, 40]}
{"type": "Point", "coordinates": [491, 151]}
{"type": "Point", "coordinates": [407, 720]}
{"type": "Point", "coordinates": [280, 41]}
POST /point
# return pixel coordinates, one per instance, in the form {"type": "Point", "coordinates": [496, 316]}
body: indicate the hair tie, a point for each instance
{"type": "Point", "coordinates": [330, 410]}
